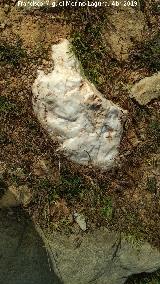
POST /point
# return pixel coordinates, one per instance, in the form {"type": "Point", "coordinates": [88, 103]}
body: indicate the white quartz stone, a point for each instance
{"type": "Point", "coordinates": [87, 126]}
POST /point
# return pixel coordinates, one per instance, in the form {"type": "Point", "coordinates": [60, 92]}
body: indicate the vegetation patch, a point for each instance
{"type": "Point", "coordinates": [88, 46]}
{"type": "Point", "coordinates": [118, 199]}
{"type": "Point", "coordinates": [148, 54]}
{"type": "Point", "coordinates": [12, 54]}
{"type": "Point", "coordinates": [6, 106]}
{"type": "Point", "coordinates": [107, 209]}
{"type": "Point", "coordinates": [3, 186]}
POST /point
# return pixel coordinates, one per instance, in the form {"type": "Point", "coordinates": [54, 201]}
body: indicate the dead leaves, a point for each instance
{"type": "Point", "coordinates": [59, 210]}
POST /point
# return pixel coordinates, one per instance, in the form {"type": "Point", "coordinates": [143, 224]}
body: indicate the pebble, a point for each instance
{"type": "Point", "coordinates": [80, 220]}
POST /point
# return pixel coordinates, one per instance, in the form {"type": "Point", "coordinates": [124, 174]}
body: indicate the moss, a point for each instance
{"type": "Point", "coordinates": [3, 186]}
{"type": "Point", "coordinates": [151, 184]}
{"type": "Point", "coordinates": [147, 55]}
{"type": "Point", "coordinates": [48, 189]}
{"type": "Point", "coordinates": [12, 54]}
{"type": "Point", "coordinates": [107, 208]}
{"type": "Point", "coordinates": [154, 129]}
{"type": "Point", "coordinates": [155, 8]}
{"type": "Point", "coordinates": [71, 185]}
{"type": "Point", "coordinates": [88, 44]}
{"type": "Point", "coordinates": [6, 105]}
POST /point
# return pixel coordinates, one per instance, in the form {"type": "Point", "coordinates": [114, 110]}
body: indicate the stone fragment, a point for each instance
{"type": "Point", "coordinates": [8, 200]}
{"type": "Point", "coordinates": [23, 255]}
{"type": "Point", "coordinates": [43, 168]}
{"type": "Point", "coordinates": [80, 219]}
{"type": "Point", "coordinates": [87, 126]}
{"type": "Point", "coordinates": [132, 137]}
{"type": "Point", "coordinates": [102, 256]}
{"type": "Point", "coordinates": [125, 26]}
{"type": "Point", "coordinates": [146, 89]}
{"type": "Point", "coordinates": [15, 196]}
{"type": "Point", "coordinates": [40, 168]}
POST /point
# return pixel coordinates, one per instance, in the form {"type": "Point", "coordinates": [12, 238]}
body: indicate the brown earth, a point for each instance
{"type": "Point", "coordinates": [126, 198]}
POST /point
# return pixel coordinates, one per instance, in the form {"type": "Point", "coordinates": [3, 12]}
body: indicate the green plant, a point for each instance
{"type": "Point", "coordinates": [44, 184]}
{"type": "Point", "coordinates": [135, 239]}
{"type": "Point", "coordinates": [6, 105]}
{"type": "Point", "coordinates": [107, 208]}
{"type": "Point", "coordinates": [70, 185]}
{"type": "Point", "coordinates": [12, 54]}
{"type": "Point", "coordinates": [155, 8]}
{"type": "Point", "coordinates": [87, 43]}
{"type": "Point", "coordinates": [3, 186]}
{"type": "Point", "coordinates": [49, 189]}
{"type": "Point", "coordinates": [154, 128]}
{"type": "Point", "coordinates": [151, 184]}
{"type": "Point", "coordinates": [148, 54]}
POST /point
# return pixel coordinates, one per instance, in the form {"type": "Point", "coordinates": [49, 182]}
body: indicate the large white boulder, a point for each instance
{"type": "Point", "coordinates": [87, 126]}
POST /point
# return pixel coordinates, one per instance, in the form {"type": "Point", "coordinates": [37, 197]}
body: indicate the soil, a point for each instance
{"type": "Point", "coordinates": [126, 198]}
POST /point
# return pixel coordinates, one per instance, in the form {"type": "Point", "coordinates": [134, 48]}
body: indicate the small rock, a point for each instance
{"type": "Point", "coordinates": [22, 194]}
{"type": "Point", "coordinates": [2, 26]}
{"type": "Point", "coordinates": [8, 200]}
{"type": "Point", "coordinates": [44, 62]}
{"type": "Point", "coordinates": [40, 167]}
{"type": "Point", "coordinates": [19, 173]}
{"type": "Point", "coordinates": [80, 219]}
{"type": "Point", "coordinates": [146, 89]}
{"type": "Point", "coordinates": [44, 168]}
{"type": "Point", "coordinates": [15, 196]}
{"type": "Point", "coordinates": [133, 138]}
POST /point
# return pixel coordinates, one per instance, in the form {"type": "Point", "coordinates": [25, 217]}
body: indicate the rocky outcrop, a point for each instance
{"type": "Point", "coordinates": [146, 89]}
{"type": "Point", "coordinates": [11, 194]}
{"type": "Point", "coordinates": [87, 126]}
{"type": "Point", "coordinates": [99, 257]}
{"type": "Point", "coordinates": [16, 195]}
{"type": "Point", "coordinates": [23, 258]}
{"type": "Point", "coordinates": [125, 26]}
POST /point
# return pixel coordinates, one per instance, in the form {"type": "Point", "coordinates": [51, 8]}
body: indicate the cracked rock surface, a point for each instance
{"type": "Point", "coordinates": [23, 258]}
{"type": "Point", "coordinates": [87, 126]}
{"type": "Point", "coordinates": [99, 257]}
{"type": "Point", "coordinates": [146, 89]}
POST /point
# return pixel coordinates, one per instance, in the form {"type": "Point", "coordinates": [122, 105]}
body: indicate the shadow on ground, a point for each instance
{"type": "Point", "coordinates": [23, 258]}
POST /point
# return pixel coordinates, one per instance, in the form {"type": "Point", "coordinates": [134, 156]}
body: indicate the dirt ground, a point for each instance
{"type": "Point", "coordinates": [126, 198]}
